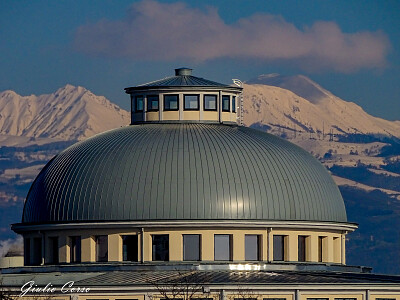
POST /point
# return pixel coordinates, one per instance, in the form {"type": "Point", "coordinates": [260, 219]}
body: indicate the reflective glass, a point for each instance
{"type": "Point", "coordinates": [225, 103]}
{"type": "Point", "coordinates": [191, 102]}
{"type": "Point", "coordinates": [252, 247]}
{"type": "Point", "coordinates": [191, 247]}
{"type": "Point", "coordinates": [160, 247]}
{"type": "Point", "coordinates": [171, 102]}
{"type": "Point", "coordinates": [152, 103]}
{"type": "Point", "coordinates": [130, 248]}
{"type": "Point", "coordinates": [139, 103]}
{"type": "Point", "coordinates": [302, 248]}
{"type": "Point", "coordinates": [210, 102]}
{"type": "Point", "coordinates": [222, 247]}
{"type": "Point", "coordinates": [279, 247]}
{"type": "Point", "coordinates": [102, 248]}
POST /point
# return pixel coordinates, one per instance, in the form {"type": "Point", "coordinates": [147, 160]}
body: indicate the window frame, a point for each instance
{"type": "Point", "coordinates": [198, 102]}
{"type": "Point", "coordinates": [97, 242]}
{"type": "Point", "coordinates": [152, 248]}
{"type": "Point", "coordinates": [72, 242]}
{"type": "Point", "coordinates": [165, 98]}
{"type": "Point", "coordinates": [230, 247]}
{"type": "Point", "coordinates": [258, 247]}
{"type": "Point", "coordinates": [150, 101]}
{"type": "Point", "coordinates": [183, 247]}
{"type": "Point", "coordinates": [223, 98]}
{"type": "Point", "coordinates": [216, 102]}
{"type": "Point", "coordinates": [136, 103]}
{"type": "Point", "coordinates": [233, 102]}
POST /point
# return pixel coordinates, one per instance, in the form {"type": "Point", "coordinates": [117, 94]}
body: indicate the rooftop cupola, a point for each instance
{"type": "Point", "coordinates": [184, 98]}
{"type": "Point", "coordinates": [183, 72]}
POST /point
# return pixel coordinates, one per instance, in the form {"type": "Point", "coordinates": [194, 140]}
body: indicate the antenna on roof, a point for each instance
{"type": "Point", "coordinates": [239, 83]}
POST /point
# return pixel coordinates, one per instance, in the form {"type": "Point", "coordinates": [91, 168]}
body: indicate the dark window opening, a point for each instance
{"type": "Point", "coordinates": [27, 251]}
{"type": "Point", "coordinates": [279, 247]}
{"type": "Point", "coordinates": [301, 248]}
{"type": "Point", "coordinates": [225, 103]}
{"type": "Point", "coordinates": [252, 247]}
{"type": "Point", "coordinates": [191, 247]}
{"type": "Point", "coordinates": [160, 247]}
{"type": "Point", "coordinates": [171, 102]}
{"type": "Point", "coordinates": [233, 104]}
{"type": "Point", "coordinates": [223, 247]}
{"type": "Point", "coordinates": [36, 258]}
{"type": "Point", "coordinates": [320, 248]}
{"type": "Point", "coordinates": [139, 103]}
{"type": "Point", "coordinates": [53, 253]}
{"type": "Point", "coordinates": [152, 103]}
{"type": "Point", "coordinates": [191, 102]}
{"type": "Point", "coordinates": [75, 249]}
{"type": "Point", "coordinates": [210, 102]}
{"type": "Point", "coordinates": [130, 248]}
{"type": "Point", "coordinates": [101, 248]}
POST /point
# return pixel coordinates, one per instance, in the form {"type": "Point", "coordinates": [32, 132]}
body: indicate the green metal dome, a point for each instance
{"type": "Point", "coordinates": [183, 172]}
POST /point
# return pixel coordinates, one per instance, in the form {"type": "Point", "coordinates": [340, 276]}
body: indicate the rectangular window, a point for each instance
{"type": "Point", "coordinates": [317, 298]}
{"type": "Point", "coordinates": [210, 102]}
{"type": "Point", "coordinates": [225, 103]}
{"type": "Point", "coordinates": [171, 102]}
{"type": "Point", "coordinates": [27, 251]}
{"type": "Point", "coordinates": [191, 102]}
{"type": "Point", "coordinates": [279, 247]}
{"type": "Point", "coordinates": [152, 103]}
{"type": "Point", "coordinates": [130, 247]}
{"type": "Point", "coordinates": [320, 248]}
{"type": "Point", "coordinates": [53, 247]}
{"type": "Point", "coordinates": [191, 247]}
{"type": "Point", "coordinates": [301, 246]}
{"type": "Point", "coordinates": [233, 103]}
{"type": "Point", "coordinates": [75, 249]}
{"type": "Point", "coordinates": [350, 299]}
{"type": "Point", "coordinates": [139, 103]}
{"type": "Point", "coordinates": [160, 247]}
{"type": "Point", "coordinates": [274, 298]}
{"type": "Point", "coordinates": [222, 247]}
{"type": "Point", "coordinates": [101, 248]}
{"type": "Point", "coordinates": [252, 247]}
{"type": "Point", "coordinates": [36, 258]}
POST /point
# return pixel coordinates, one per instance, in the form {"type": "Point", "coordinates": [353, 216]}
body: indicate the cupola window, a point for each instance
{"type": "Point", "coordinates": [302, 248]}
{"type": "Point", "coordinates": [225, 103]}
{"type": "Point", "coordinates": [152, 103]}
{"type": "Point", "coordinates": [210, 102]}
{"type": "Point", "coordinates": [171, 102]}
{"type": "Point", "coordinates": [53, 253]}
{"type": "Point", "coordinates": [191, 102]}
{"type": "Point", "coordinates": [139, 103]}
{"type": "Point", "coordinates": [233, 104]}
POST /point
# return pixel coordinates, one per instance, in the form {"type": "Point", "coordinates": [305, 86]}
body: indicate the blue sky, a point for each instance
{"type": "Point", "coordinates": [351, 48]}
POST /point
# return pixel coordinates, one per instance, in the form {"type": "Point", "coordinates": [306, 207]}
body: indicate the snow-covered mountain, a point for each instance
{"type": "Point", "coordinates": [298, 103]}
{"type": "Point", "coordinates": [71, 113]}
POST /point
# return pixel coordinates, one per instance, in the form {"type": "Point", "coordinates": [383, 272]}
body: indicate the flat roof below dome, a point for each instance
{"type": "Point", "coordinates": [184, 172]}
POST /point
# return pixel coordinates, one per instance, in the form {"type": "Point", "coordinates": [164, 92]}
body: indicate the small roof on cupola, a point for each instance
{"type": "Point", "coordinates": [183, 78]}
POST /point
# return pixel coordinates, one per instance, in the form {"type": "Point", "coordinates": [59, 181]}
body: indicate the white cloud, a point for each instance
{"type": "Point", "coordinates": [174, 31]}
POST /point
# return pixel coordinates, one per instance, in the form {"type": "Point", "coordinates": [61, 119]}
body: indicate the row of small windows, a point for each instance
{"type": "Point", "coordinates": [190, 102]}
{"type": "Point", "coordinates": [223, 248]}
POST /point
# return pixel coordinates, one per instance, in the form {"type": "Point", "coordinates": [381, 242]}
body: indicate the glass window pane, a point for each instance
{"type": "Point", "coordinates": [152, 103]}
{"type": "Point", "coordinates": [302, 248]}
{"type": "Point", "coordinates": [233, 104]}
{"type": "Point", "coordinates": [191, 247]}
{"type": "Point", "coordinates": [320, 248]}
{"type": "Point", "coordinates": [279, 247]}
{"type": "Point", "coordinates": [139, 103]}
{"type": "Point", "coordinates": [191, 102]}
{"type": "Point", "coordinates": [225, 103]}
{"type": "Point", "coordinates": [210, 102]}
{"type": "Point", "coordinates": [130, 248]}
{"type": "Point", "coordinates": [252, 247]}
{"type": "Point", "coordinates": [222, 247]}
{"type": "Point", "coordinates": [102, 248]}
{"type": "Point", "coordinates": [160, 247]}
{"type": "Point", "coordinates": [37, 252]}
{"type": "Point", "coordinates": [171, 102]}
{"type": "Point", "coordinates": [27, 251]}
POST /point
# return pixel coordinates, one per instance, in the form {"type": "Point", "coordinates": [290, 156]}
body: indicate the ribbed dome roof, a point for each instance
{"type": "Point", "coordinates": [183, 172]}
